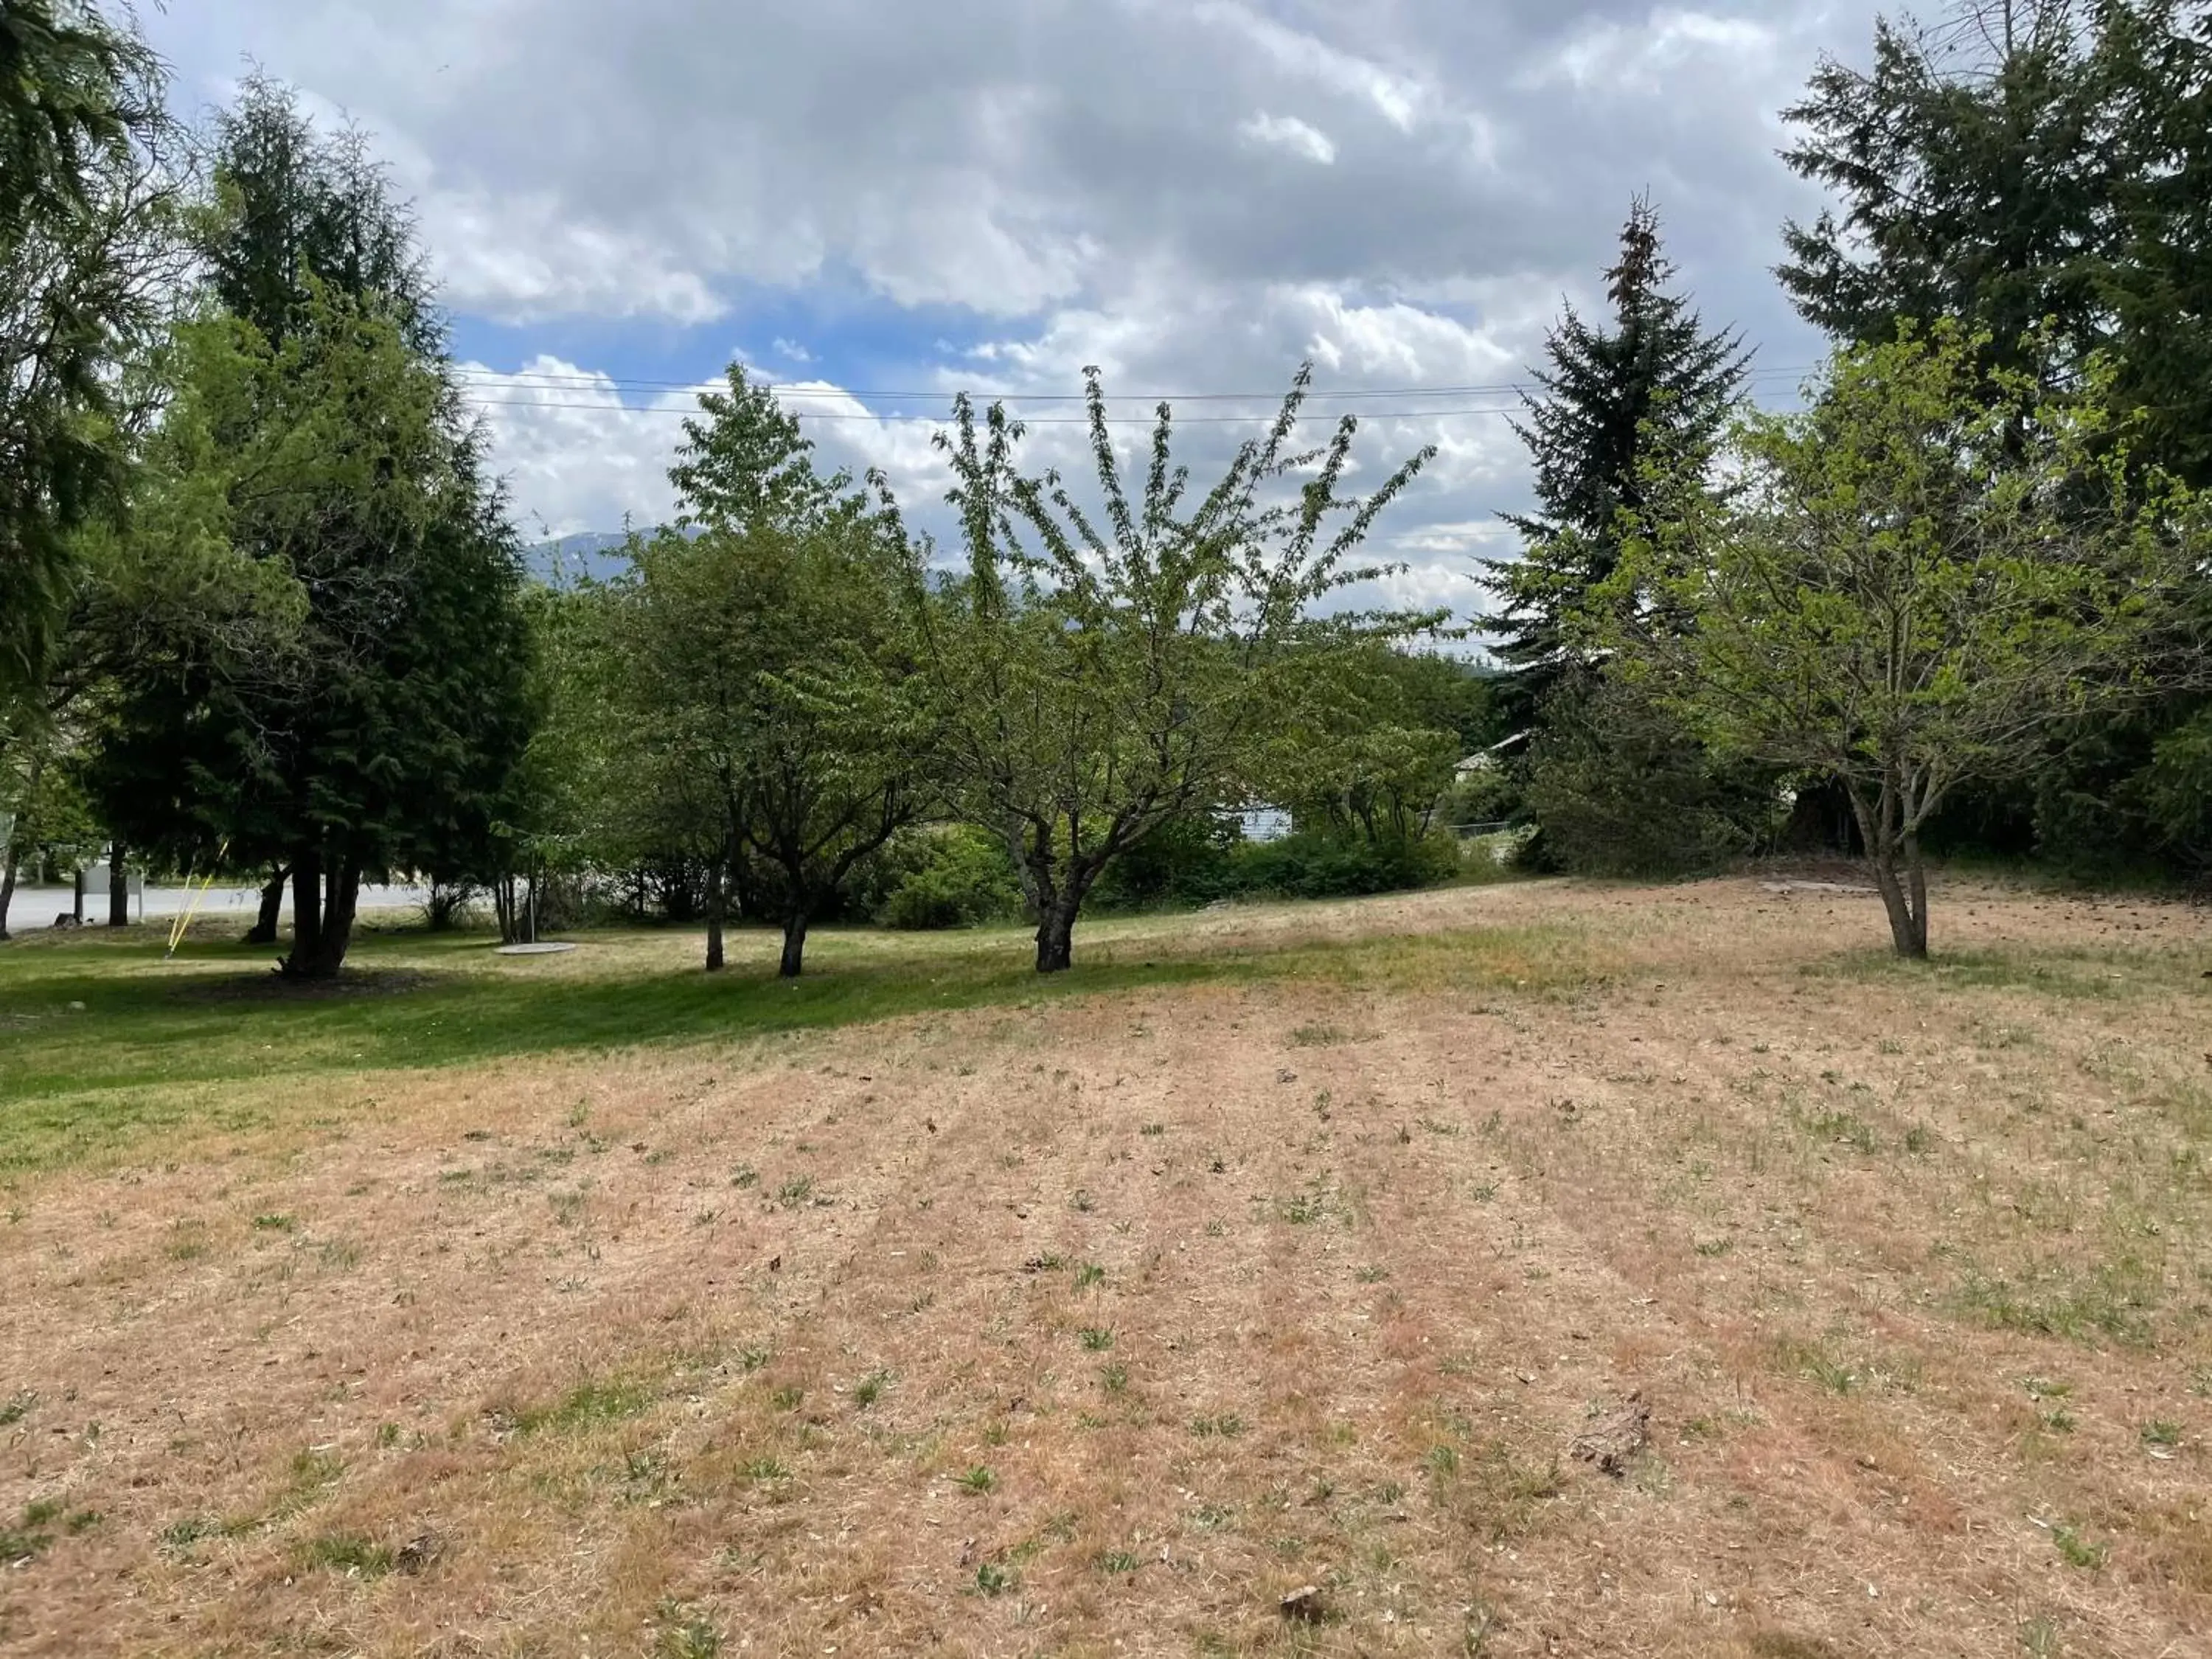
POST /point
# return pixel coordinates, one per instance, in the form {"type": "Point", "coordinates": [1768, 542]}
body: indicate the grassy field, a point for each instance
{"type": "Point", "coordinates": [585, 1304]}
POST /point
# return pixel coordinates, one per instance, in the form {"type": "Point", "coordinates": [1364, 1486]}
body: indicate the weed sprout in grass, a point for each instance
{"type": "Point", "coordinates": [586, 1405]}
{"type": "Point", "coordinates": [349, 1553]}
{"type": "Point", "coordinates": [2079, 1549]}
{"type": "Point", "coordinates": [685, 1633]}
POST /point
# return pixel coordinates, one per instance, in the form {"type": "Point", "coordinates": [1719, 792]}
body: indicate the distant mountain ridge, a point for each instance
{"type": "Point", "coordinates": [593, 555]}
{"type": "Point", "coordinates": [597, 555]}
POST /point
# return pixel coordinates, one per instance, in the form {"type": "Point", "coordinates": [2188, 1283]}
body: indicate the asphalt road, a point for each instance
{"type": "Point", "coordinates": [36, 907]}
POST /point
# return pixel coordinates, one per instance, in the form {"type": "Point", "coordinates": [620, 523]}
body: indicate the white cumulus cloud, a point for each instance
{"type": "Point", "coordinates": [1288, 132]}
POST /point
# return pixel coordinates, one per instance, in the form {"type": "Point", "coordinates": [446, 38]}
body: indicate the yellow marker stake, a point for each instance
{"type": "Point", "coordinates": [183, 922]}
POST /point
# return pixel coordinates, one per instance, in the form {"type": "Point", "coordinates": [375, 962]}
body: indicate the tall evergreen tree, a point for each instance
{"type": "Point", "coordinates": [83, 195]}
{"type": "Point", "coordinates": [318, 432]}
{"type": "Point", "coordinates": [2025, 166]}
{"type": "Point", "coordinates": [1613, 396]}
{"type": "Point", "coordinates": [2040, 172]}
{"type": "Point", "coordinates": [2153, 71]}
{"type": "Point", "coordinates": [294, 207]}
{"type": "Point", "coordinates": [1966, 163]}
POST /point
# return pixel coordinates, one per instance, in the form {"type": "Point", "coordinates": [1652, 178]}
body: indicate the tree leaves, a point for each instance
{"type": "Point", "coordinates": [1093, 683]}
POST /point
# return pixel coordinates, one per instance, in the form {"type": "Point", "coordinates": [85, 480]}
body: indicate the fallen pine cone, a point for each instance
{"type": "Point", "coordinates": [418, 1552]}
{"type": "Point", "coordinates": [1610, 1441]}
{"type": "Point", "coordinates": [1305, 1603]}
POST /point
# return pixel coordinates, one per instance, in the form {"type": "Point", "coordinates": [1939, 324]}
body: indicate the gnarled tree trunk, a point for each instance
{"type": "Point", "coordinates": [322, 908]}
{"type": "Point", "coordinates": [1055, 937]}
{"type": "Point", "coordinates": [1058, 891]}
{"type": "Point", "coordinates": [266, 919]}
{"type": "Point", "coordinates": [794, 943]}
{"type": "Point", "coordinates": [1899, 875]}
{"type": "Point", "coordinates": [7, 861]}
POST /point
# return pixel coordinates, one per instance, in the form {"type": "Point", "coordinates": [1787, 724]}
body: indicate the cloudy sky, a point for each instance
{"type": "Point", "coordinates": [883, 201]}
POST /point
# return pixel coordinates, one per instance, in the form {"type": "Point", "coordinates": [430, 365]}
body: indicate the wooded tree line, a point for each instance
{"type": "Point", "coordinates": [267, 613]}
{"type": "Point", "coordinates": [1960, 599]}
{"type": "Point", "coordinates": [262, 608]}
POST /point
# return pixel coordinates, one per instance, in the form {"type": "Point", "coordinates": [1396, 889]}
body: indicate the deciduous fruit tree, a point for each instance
{"type": "Point", "coordinates": [767, 669]}
{"type": "Point", "coordinates": [1093, 682]}
{"type": "Point", "coordinates": [1903, 595]}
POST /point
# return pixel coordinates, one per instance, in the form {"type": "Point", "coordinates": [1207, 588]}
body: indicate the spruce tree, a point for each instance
{"type": "Point", "coordinates": [1967, 164]}
{"type": "Point", "coordinates": [2036, 170]}
{"type": "Point", "coordinates": [1613, 397]}
{"type": "Point", "coordinates": [82, 269]}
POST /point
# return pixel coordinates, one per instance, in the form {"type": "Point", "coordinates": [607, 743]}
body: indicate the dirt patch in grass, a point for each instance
{"type": "Point", "coordinates": [1120, 1318]}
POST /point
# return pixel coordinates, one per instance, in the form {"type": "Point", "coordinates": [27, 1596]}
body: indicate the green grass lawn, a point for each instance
{"type": "Point", "coordinates": [102, 1037]}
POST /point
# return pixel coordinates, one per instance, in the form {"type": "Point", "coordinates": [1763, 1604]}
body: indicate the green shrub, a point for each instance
{"type": "Point", "coordinates": [1619, 788]}
{"type": "Point", "coordinates": [945, 876]}
{"type": "Point", "coordinates": [1487, 795]}
{"type": "Point", "coordinates": [1186, 862]}
{"type": "Point", "coordinates": [1316, 863]}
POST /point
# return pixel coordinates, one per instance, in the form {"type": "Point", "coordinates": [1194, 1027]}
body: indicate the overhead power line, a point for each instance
{"type": "Point", "coordinates": [528, 379]}
{"type": "Point", "coordinates": [1025, 420]}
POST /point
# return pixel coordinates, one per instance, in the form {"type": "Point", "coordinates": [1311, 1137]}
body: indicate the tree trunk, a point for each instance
{"type": "Point", "coordinates": [794, 943]}
{"type": "Point", "coordinates": [1915, 877]}
{"type": "Point", "coordinates": [323, 908]}
{"type": "Point", "coordinates": [118, 885]}
{"type": "Point", "coordinates": [715, 915]}
{"type": "Point", "coordinates": [307, 908]}
{"type": "Point", "coordinates": [263, 931]}
{"type": "Point", "coordinates": [339, 908]}
{"type": "Point", "coordinates": [1055, 933]}
{"type": "Point", "coordinates": [1906, 932]}
{"type": "Point", "coordinates": [12, 853]}
{"type": "Point", "coordinates": [1903, 893]}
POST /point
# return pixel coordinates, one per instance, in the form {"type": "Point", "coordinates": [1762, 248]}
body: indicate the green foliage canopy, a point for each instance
{"type": "Point", "coordinates": [1901, 595]}
{"type": "Point", "coordinates": [1095, 681]}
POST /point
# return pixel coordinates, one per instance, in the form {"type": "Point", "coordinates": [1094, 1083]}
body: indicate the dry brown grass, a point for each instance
{"type": "Point", "coordinates": [1232, 1289]}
